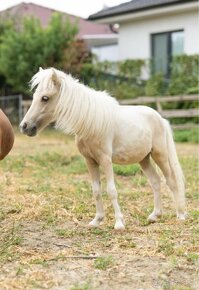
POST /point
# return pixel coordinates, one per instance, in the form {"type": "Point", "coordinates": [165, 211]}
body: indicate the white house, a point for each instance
{"type": "Point", "coordinates": [154, 29]}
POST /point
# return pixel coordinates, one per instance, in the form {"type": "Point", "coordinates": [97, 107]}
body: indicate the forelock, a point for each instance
{"type": "Point", "coordinates": [41, 77]}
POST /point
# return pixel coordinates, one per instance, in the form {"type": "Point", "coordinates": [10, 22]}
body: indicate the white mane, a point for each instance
{"type": "Point", "coordinates": [80, 110]}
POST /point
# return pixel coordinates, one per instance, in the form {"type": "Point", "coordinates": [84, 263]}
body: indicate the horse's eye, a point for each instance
{"type": "Point", "coordinates": [45, 99]}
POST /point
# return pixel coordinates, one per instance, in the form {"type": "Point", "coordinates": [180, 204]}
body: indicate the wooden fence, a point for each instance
{"type": "Point", "coordinates": [185, 113]}
{"type": "Point", "coordinates": [179, 113]}
{"type": "Point", "coordinates": [25, 106]}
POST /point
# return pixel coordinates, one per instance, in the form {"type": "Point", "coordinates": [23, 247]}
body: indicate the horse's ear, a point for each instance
{"type": "Point", "coordinates": [40, 68]}
{"type": "Point", "coordinates": [54, 77]}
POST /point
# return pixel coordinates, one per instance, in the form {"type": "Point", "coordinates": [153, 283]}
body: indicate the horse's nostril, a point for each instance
{"type": "Point", "coordinates": [24, 126]}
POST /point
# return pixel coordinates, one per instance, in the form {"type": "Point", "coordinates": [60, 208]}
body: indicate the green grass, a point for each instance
{"type": "Point", "coordinates": [65, 233]}
{"type": "Point", "coordinates": [8, 241]}
{"type": "Point", "coordinates": [103, 263]}
{"type": "Point", "coordinates": [84, 286]}
{"type": "Point", "coordinates": [40, 261]}
{"type": "Point", "coordinates": [126, 170]}
{"type": "Point", "coordinates": [193, 258]}
{"type": "Point", "coordinates": [183, 136]}
{"type": "Point", "coordinates": [46, 205]}
{"type": "Point", "coordinates": [77, 165]}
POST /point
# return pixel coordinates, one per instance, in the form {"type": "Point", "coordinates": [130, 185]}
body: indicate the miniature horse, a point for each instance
{"type": "Point", "coordinates": [6, 135]}
{"type": "Point", "coordinates": [107, 133]}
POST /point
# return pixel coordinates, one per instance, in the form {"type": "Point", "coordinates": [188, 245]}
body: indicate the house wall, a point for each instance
{"type": "Point", "coordinates": [134, 36]}
{"type": "Point", "coordinates": [106, 52]}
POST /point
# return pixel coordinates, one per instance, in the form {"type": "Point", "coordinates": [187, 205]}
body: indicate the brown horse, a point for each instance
{"type": "Point", "coordinates": [6, 135]}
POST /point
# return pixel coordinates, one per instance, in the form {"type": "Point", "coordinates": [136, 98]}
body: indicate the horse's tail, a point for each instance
{"type": "Point", "coordinates": [176, 169]}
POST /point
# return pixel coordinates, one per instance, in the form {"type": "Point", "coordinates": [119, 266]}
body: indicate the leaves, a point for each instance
{"type": "Point", "coordinates": [25, 47]}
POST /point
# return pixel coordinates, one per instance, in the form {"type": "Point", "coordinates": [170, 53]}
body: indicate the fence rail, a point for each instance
{"type": "Point", "coordinates": [12, 107]}
{"type": "Point", "coordinates": [185, 113]}
{"type": "Point", "coordinates": [148, 100]}
{"type": "Point", "coordinates": [179, 113]}
{"type": "Point", "coordinates": [25, 106]}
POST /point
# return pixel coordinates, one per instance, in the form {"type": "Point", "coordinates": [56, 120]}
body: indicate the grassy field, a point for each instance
{"type": "Point", "coordinates": [46, 204]}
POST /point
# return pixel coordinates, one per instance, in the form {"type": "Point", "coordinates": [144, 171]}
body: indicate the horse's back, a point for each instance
{"type": "Point", "coordinates": [139, 111]}
{"type": "Point", "coordinates": [140, 116]}
{"type": "Point", "coordinates": [6, 135]}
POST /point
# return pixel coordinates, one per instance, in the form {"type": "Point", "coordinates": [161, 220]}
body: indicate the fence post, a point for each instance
{"type": "Point", "coordinates": [20, 108]}
{"type": "Point", "coordinates": [158, 105]}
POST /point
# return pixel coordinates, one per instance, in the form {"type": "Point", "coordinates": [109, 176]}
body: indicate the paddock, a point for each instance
{"type": "Point", "coordinates": [45, 243]}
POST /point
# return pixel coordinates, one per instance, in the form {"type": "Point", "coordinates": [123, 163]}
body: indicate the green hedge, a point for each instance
{"type": "Point", "coordinates": [123, 79]}
{"type": "Point", "coordinates": [191, 135]}
{"type": "Point", "coordinates": [184, 75]}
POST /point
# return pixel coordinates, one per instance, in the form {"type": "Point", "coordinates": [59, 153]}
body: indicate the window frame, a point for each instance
{"type": "Point", "coordinates": [169, 48]}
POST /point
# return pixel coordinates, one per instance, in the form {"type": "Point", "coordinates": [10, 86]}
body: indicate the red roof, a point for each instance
{"type": "Point", "coordinates": [44, 14]}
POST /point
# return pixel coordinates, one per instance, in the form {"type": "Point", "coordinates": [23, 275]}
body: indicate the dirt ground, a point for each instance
{"type": "Point", "coordinates": [46, 204]}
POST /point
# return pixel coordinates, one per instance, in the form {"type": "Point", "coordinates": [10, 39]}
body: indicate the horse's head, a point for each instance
{"type": "Point", "coordinates": [42, 109]}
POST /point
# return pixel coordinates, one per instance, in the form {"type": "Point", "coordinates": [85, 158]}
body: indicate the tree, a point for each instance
{"type": "Point", "coordinates": [25, 47]}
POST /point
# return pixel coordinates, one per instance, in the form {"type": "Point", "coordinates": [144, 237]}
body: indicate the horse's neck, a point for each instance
{"type": "Point", "coordinates": [84, 112]}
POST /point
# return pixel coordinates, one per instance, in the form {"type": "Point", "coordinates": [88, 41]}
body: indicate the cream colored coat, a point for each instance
{"type": "Point", "coordinates": [107, 133]}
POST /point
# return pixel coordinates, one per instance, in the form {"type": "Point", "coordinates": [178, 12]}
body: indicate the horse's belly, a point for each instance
{"type": "Point", "coordinates": [123, 159]}
{"type": "Point", "coordinates": [131, 146]}
{"type": "Point", "coordinates": [122, 156]}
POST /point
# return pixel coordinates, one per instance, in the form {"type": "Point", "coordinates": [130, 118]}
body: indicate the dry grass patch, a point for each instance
{"type": "Point", "coordinates": [46, 204]}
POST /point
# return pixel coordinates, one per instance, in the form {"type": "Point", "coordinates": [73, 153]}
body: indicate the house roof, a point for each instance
{"type": "Point", "coordinates": [135, 6]}
{"type": "Point", "coordinates": [44, 14]}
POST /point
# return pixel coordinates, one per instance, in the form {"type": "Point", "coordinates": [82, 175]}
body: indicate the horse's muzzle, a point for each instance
{"type": "Point", "coordinates": [27, 129]}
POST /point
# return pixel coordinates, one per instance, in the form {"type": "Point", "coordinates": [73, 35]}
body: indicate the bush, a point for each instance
{"type": "Point", "coordinates": [27, 46]}
{"type": "Point", "coordinates": [121, 79]}
{"type": "Point", "coordinates": [156, 86]}
{"type": "Point", "coordinates": [184, 75]}
{"type": "Point", "coordinates": [187, 135]}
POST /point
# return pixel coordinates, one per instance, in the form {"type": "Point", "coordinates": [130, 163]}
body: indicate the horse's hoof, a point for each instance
{"type": "Point", "coordinates": [153, 217]}
{"type": "Point", "coordinates": [93, 224]}
{"type": "Point", "coordinates": [119, 226]}
{"type": "Point", "coordinates": [181, 216]}
{"type": "Point", "coordinates": [96, 222]}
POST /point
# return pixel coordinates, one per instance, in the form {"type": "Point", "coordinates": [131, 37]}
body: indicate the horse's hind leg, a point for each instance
{"type": "Point", "coordinates": [93, 168]}
{"type": "Point", "coordinates": [154, 180]}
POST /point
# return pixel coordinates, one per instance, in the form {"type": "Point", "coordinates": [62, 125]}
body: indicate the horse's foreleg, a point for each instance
{"type": "Point", "coordinates": [93, 168]}
{"type": "Point", "coordinates": [106, 164]}
{"type": "Point", "coordinates": [154, 180]}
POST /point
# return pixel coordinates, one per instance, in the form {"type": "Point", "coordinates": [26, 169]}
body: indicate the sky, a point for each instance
{"type": "Point", "coordinates": [82, 8]}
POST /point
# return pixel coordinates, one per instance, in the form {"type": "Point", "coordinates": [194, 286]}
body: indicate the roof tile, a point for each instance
{"type": "Point", "coordinates": [44, 14]}
{"type": "Point", "coordinates": [134, 6]}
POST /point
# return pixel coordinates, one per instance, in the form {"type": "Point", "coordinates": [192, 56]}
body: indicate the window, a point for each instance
{"type": "Point", "coordinates": [164, 47]}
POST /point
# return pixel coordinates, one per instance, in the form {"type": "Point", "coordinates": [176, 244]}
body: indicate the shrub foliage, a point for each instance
{"type": "Point", "coordinates": [25, 45]}
{"type": "Point", "coordinates": [124, 79]}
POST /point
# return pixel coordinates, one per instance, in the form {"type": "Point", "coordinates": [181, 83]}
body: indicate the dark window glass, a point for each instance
{"type": "Point", "coordinates": [160, 51]}
{"type": "Point", "coordinates": [177, 43]}
{"type": "Point", "coordinates": [164, 47]}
